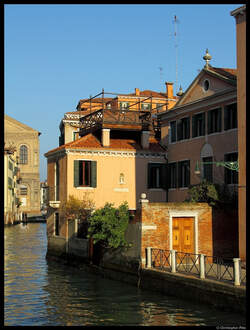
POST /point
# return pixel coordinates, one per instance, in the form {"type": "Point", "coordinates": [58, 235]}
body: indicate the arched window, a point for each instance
{"type": "Point", "coordinates": [23, 154]}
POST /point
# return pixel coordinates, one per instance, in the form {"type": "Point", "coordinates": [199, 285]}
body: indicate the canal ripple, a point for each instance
{"type": "Point", "coordinates": [42, 293]}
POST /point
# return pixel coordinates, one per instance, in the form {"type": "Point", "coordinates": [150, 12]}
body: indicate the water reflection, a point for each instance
{"type": "Point", "coordinates": [38, 292]}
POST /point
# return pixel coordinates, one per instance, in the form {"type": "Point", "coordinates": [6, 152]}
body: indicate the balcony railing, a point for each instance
{"type": "Point", "coordinates": [106, 118]}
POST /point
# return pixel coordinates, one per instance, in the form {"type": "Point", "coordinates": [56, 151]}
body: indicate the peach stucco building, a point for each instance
{"type": "Point", "coordinates": [109, 151]}
{"type": "Point", "coordinates": [202, 128]}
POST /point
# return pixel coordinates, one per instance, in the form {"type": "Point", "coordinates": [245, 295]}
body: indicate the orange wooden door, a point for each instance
{"type": "Point", "coordinates": [183, 234]}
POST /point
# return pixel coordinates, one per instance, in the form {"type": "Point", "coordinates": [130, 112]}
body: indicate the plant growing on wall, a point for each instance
{"type": "Point", "coordinates": [204, 192]}
{"type": "Point", "coordinates": [213, 194]}
{"type": "Point", "coordinates": [75, 208]}
{"type": "Point", "coordinates": [107, 226]}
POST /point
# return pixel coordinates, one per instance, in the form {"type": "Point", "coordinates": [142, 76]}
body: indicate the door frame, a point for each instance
{"type": "Point", "coordinates": [183, 214]}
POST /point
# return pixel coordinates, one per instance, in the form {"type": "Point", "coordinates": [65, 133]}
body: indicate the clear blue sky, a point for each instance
{"type": "Point", "coordinates": [57, 54]}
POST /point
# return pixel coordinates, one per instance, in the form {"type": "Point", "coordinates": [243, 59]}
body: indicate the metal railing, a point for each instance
{"type": "Point", "coordinates": [199, 265]}
{"type": "Point", "coordinates": [100, 117]}
{"type": "Point", "coordinates": [187, 262]}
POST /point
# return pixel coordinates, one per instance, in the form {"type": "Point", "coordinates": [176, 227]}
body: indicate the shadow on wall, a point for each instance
{"type": "Point", "coordinates": [225, 233]}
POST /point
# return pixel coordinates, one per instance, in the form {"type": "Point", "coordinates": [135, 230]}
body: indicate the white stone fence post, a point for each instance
{"type": "Point", "coordinates": [149, 257]}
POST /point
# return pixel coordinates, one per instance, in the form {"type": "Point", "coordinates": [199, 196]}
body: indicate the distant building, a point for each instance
{"type": "Point", "coordinates": [240, 17]}
{"type": "Point", "coordinates": [11, 177]}
{"type": "Point", "coordinates": [44, 195]}
{"type": "Point", "coordinates": [26, 141]}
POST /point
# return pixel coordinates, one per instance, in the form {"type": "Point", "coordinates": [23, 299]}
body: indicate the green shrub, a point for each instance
{"type": "Point", "coordinates": [107, 226]}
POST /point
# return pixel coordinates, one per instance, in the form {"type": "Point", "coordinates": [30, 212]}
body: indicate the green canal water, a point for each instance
{"type": "Point", "coordinates": [38, 292]}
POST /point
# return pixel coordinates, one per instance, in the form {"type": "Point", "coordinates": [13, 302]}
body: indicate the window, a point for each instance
{"type": "Point", "coordinates": [183, 129]}
{"type": "Point", "coordinates": [10, 166]}
{"type": "Point", "coordinates": [23, 154]}
{"type": "Point", "coordinates": [172, 175]}
{"type": "Point", "coordinates": [124, 105]}
{"type": "Point", "coordinates": [23, 190]}
{"type": "Point", "coordinates": [230, 116]}
{"type": "Point", "coordinates": [156, 175]}
{"type": "Point", "coordinates": [207, 169]}
{"type": "Point", "coordinates": [173, 131]}
{"type": "Point", "coordinates": [145, 106]}
{"type": "Point", "coordinates": [84, 173]}
{"type": "Point", "coordinates": [10, 182]}
{"type": "Point", "coordinates": [159, 107]}
{"type": "Point", "coordinates": [183, 173]}
{"type": "Point", "coordinates": [198, 125]}
{"type": "Point", "coordinates": [214, 121]}
{"type": "Point", "coordinates": [206, 85]}
{"type": "Point", "coordinates": [57, 180]}
{"type": "Point", "coordinates": [75, 136]}
{"type": "Point", "coordinates": [231, 176]}
{"type": "Point", "coordinates": [56, 224]}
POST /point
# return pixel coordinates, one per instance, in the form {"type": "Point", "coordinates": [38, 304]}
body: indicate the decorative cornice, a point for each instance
{"type": "Point", "coordinates": [116, 153]}
{"type": "Point", "coordinates": [200, 103]}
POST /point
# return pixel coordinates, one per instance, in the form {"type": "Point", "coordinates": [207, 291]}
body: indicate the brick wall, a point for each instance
{"type": "Point", "coordinates": [155, 225]}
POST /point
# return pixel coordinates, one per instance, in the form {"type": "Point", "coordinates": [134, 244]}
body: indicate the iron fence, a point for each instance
{"type": "Point", "coordinates": [219, 268]}
{"type": "Point", "coordinates": [211, 267]}
{"type": "Point", "coordinates": [243, 272]}
{"type": "Point", "coordinates": [187, 262]}
{"type": "Point", "coordinates": [161, 259]}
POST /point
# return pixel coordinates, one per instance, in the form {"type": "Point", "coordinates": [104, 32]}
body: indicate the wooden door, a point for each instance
{"type": "Point", "coordinates": [183, 234]}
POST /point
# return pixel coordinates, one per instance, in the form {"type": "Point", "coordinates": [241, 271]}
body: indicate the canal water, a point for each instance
{"type": "Point", "coordinates": [38, 292]}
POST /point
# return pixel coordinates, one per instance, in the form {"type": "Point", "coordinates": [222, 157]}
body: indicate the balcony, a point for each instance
{"type": "Point", "coordinates": [121, 119]}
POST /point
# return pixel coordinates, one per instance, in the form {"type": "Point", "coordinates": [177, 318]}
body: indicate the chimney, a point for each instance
{"type": "Point", "coordinates": [105, 137]}
{"type": "Point", "coordinates": [137, 92]}
{"type": "Point", "coordinates": [169, 90]}
{"type": "Point", "coordinates": [145, 139]}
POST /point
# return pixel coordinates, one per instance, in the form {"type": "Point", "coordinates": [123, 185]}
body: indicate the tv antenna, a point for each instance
{"type": "Point", "coordinates": [161, 77]}
{"type": "Point", "coordinates": [176, 21]}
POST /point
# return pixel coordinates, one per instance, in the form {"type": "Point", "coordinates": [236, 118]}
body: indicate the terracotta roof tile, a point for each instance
{"type": "Point", "coordinates": [149, 93]}
{"type": "Point", "coordinates": [91, 142]}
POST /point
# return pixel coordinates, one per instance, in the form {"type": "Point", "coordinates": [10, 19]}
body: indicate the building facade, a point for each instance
{"type": "Point", "coordinates": [240, 18]}
{"type": "Point", "coordinates": [26, 141]}
{"type": "Point", "coordinates": [115, 156]}
{"type": "Point", "coordinates": [146, 100]}
{"type": "Point", "coordinates": [11, 179]}
{"type": "Point", "coordinates": [202, 128]}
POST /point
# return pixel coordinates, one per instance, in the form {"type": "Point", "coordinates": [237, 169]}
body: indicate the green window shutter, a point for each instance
{"type": "Point", "coordinates": [164, 176]}
{"type": "Point", "coordinates": [179, 175]}
{"type": "Point", "coordinates": [188, 173]}
{"type": "Point", "coordinates": [93, 174]}
{"type": "Point", "coordinates": [209, 122]}
{"type": "Point", "coordinates": [188, 128]}
{"type": "Point", "coordinates": [149, 176]}
{"type": "Point", "coordinates": [226, 118]}
{"type": "Point", "coordinates": [203, 123]}
{"type": "Point", "coordinates": [76, 173]}
{"type": "Point", "coordinates": [193, 127]}
{"type": "Point", "coordinates": [219, 120]}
